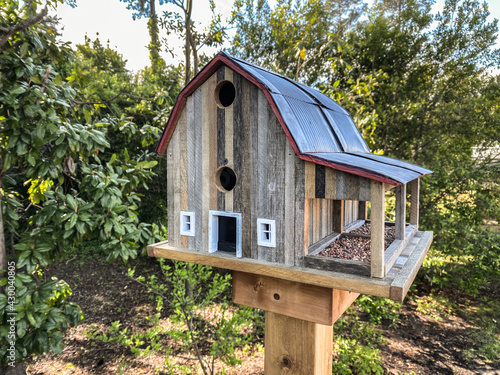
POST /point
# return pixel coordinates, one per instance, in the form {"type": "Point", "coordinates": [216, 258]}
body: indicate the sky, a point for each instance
{"type": "Point", "coordinates": [114, 23]}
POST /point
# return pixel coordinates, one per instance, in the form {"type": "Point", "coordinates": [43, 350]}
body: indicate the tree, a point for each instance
{"type": "Point", "coordinates": [295, 37]}
{"type": "Point", "coordinates": [58, 188]}
{"type": "Point", "coordinates": [147, 8]}
{"type": "Point", "coordinates": [182, 23]}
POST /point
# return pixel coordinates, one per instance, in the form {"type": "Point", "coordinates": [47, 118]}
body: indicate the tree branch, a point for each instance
{"type": "Point", "coordinates": [9, 31]}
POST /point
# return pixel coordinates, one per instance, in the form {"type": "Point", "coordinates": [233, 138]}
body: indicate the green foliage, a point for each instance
{"type": "Point", "coordinates": [60, 185]}
{"type": "Point", "coordinates": [355, 346]}
{"type": "Point", "coordinates": [379, 309]}
{"type": "Point", "coordinates": [353, 358]}
{"type": "Point", "coordinates": [138, 343]}
{"type": "Point", "coordinates": [295, 38]}
{"type": "Point", "coordinates": [207, 294]}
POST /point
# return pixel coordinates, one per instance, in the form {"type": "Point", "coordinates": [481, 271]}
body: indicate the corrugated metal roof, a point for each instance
{"type": "Point", "coordinates": [318, 128]}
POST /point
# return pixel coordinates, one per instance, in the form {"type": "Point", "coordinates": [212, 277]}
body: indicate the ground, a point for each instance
{"type": "Point", "coordinates": [431, 337]}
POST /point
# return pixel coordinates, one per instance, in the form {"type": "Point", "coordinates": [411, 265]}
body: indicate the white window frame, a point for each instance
{"type": "Point", "coordinates": [213, 230]}
{"type": "Point", "coordinates": [262, 225]}
{"type": "Point", "coordinates": [192, 223]}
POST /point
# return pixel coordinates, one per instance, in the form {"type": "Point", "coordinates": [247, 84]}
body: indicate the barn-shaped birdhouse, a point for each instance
{"type": "Point", "coordinates": [271, 177]}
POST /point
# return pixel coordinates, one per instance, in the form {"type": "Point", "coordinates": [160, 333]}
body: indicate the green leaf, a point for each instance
{"type": "Point", "coordinates": [71, 202]}
{"type": "Point", "coordinates": [18, 90]}
{"type": "Point", "coordinates": [148, 164]}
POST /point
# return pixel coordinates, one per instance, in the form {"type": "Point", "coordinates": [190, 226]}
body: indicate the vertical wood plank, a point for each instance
{"type": "Point", "coordinates": [228, 136]}
{"type": "Point", "coordinates": [307, 224]}
{"type": "Point", "coordinates": [261, 166]}
{"type": "Point", "coordinates": [362, 210]}
{"type": "Point", "coordinates": [352, 187]}
{"type": "Point", "coordinates": [377, 228]}
{"type": "Point", "coordinates": [221, 149]}
{"type": "Point", "coordinates": [310, 177]}
{"type": "Point", "coordinates": [414, 202]}
{"type": "Point", "coordinates": [296, 346]}
{"type": "Point", "coordinates": [242, 159]}
{"type": "Point", "coordinates": [183, 170]}
{"type": "Point", "coordinates": [324, 219]}
{"type": "Point", "coordinates": [300, 215]}
{"type": "Point", "coordinates": [330, 183]}
{"type": "Point", "coordinates": [338, 216]}
{"type": "Point", "coordinates": [319, 181]}
{"type": "Point", "coordinates": [208, 145]}
{"type": "Point", "coordinates": [289, 222]}
{"type": "Point", "coordinates": [400, 227]}
{"type": "Point", "coordinates": [364, 189]}
{"type": "Point", "coordinates": [316, 225]}
{"type": "Point", "coordinates": [174, 183]}
{"type": "Point", "coordinates": [341, 185]}
{"type": "Point", "coordinates": [193, 114]}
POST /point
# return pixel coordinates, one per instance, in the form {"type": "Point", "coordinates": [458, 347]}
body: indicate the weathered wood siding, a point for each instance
{"type": "Point", "coordinates": [246, 137]}
{"type": "Point", "coordinates": [324, 182]}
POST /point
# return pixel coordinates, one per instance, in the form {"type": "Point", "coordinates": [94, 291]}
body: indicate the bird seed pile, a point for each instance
{"type": "Point", "coordinates": [390, 230]}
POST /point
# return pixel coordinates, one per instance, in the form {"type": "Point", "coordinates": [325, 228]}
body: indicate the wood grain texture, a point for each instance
{"type": "Point", "coordinates": [364, 189]}
{"type": "Point", "coordinates": [362, 210]}
{"type": "Point", "coordinates": [405, 277]}
{"type": "Point", "coordinates": [195, 175]}
{"type": "Point", "coordinates": [229, 140]}
{"type": "Point", "coordinates": [393, 252]}
{"type": "Point", "coordinates": [338, 216]}
{"type": "Point", "coordinates": [301, 242]}
{"type": "Point", "coordinates": [377, 229]}
{"type": "Point", "coordinates": [414, 203]}
{"type": "Point", "coordinates": [310, 180]}
{"type": "Point", "coordinates": [316, 227]}
{"type": "Point", "coordinates": [173, 190]}
{"type": "Point", "coordinates": [353, 267]}
{"type": "Point", "coordinates": [341, 185]}
{"type": "Point", "coordinates": [319, 181]}
{"type": "Point", "coordinates": [221, 148]}
{"type": "Point", "coordinates": [335, 280]}
{"type": "Point", "coordinates": [242, 158]}
{"type": "Point", "coordinates": [288, 230]}
{"type": "Point", "coordinates": [301, 301]}
{"type": "Point", "coordinates": [183, 170]}
{"type": "Point", "coordinates": [209, 154]}
{"type": "Point", "coordinates": [400, 227]}
{"type": "Point", "coordinates": [295, 346]}
{"type": "Point", "coordinates": [330, 183]}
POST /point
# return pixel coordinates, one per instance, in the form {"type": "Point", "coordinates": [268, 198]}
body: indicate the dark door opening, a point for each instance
{"type": "Point", "coordinates": [227, 234]}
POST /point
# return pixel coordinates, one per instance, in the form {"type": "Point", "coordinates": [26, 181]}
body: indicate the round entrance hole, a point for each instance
{"type": "Point", "coordinates": [225, 94]}
{"type": "Point", "coordinates": [225, 179]}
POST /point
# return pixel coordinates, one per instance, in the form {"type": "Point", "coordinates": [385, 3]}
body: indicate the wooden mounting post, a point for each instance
{"type": "Point", "coordinates": [295, 346]}
{"type": "Point", "coordinates": [299, 319]}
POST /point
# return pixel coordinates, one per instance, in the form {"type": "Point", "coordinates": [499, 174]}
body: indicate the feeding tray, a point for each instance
{"type": "Point", "coordinates": [350, 252]}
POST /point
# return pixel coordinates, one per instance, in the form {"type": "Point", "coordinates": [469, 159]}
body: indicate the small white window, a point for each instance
{"type": "Point", "coordinates": [266, 232]}
{"type": "Point", "coordinates": [187, 223]}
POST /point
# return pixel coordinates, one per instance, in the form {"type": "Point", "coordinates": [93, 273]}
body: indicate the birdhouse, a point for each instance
{"type": "Point", "coordinates": [270, 177]}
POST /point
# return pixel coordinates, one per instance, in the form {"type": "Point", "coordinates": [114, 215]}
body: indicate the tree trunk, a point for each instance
{"type": "Point", "coordinates": [187, 24]}
{"type": "Point", "coordinates": [154, 44]}
{"type": "Point", "coordinates": [195, 54]}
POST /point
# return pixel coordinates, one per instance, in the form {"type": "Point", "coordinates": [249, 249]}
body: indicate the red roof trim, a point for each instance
{"type": "Point", "coordinates": [350, 169]}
